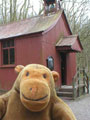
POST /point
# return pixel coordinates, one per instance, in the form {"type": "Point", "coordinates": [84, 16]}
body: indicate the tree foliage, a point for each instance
{"type": "Point", "coordinates": [77, 12]}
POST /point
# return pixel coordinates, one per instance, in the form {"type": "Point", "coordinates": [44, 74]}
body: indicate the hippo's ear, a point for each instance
{"type": "Point", "coordinates": [55, 76]}
{"type": "Point", "coordinates": [18, 68]}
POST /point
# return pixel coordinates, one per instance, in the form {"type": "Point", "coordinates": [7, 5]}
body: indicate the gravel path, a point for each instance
{"type": "Point", "coordinates": [80, 107]}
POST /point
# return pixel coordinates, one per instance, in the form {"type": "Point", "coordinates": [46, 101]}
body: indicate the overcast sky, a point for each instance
{"type": "Point", "coordinates": [36, 4]}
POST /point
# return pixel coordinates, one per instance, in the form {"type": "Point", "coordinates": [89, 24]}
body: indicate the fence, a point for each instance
{"type": "Point", "coordinates": [80, 83]}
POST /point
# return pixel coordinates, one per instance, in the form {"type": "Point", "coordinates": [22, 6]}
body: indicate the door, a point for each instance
{"type": "Point", "coordinates": [63, 68]}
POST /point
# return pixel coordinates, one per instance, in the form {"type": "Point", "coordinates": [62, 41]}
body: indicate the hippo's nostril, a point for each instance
{"type": "Point", "coordinates": [30, 89]}
{"type": "Point", "coordinates": [33, 90]}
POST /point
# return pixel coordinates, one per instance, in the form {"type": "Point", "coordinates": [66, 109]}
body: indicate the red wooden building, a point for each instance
{"type": "Point", "coordinates": [45, 40]}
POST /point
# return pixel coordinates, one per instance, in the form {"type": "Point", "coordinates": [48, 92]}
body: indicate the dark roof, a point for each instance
{"type": "Point", "coordinates": [29, 26]}
{"type": "Point", "coordinates": [70, 43]}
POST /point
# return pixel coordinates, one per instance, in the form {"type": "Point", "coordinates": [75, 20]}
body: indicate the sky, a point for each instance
{"type": "Point", "coordinates": [36, 4]}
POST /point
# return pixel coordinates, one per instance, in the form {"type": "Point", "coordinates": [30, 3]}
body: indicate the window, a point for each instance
{"type": "Point", "coordinates": [8, 52]}
{"type": "Point", "coordinates": [50, 63]}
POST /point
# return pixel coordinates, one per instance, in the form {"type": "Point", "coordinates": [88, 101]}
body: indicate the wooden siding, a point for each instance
{"type": "Point", "coordinates": [27, 51]}
{"type": "Point", "coordinates": [48, 46]}
{"type": "Point", "coordinates": [35, 49]}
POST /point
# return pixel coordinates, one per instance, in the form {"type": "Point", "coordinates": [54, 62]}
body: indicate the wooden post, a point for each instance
{"type": "Point", "coordinates": [74, 89]}
{"type": "Point", "coordinates": [84, 80]}
{"type": "Point", "coordinates": [56, 5]}
{"type": "Point", "coordinates": [78, 77]}
{"type": "Point", "coordinates": [87, 84]}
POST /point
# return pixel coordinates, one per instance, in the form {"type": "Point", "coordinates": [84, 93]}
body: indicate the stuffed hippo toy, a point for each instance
{"type": "Point", "coordinates": [33, 96]}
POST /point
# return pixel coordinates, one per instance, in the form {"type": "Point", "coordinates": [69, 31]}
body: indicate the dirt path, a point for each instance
{"type": "Point", "coordinates": [80, 107]}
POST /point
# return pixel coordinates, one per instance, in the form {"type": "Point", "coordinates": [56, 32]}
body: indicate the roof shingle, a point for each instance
{"type": "Point", "coordinates": [69, 43]}
{"type": "Point", "coordinates": [28, 26]}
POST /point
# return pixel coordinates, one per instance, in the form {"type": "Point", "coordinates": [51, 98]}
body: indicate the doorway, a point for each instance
{"type": "Point", "coordinates": [63, 68]}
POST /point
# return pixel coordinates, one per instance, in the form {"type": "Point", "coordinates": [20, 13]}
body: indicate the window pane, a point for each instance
{"type": "Point", "coordinates": [8, 43]}
{"type": "Point", "coordinates": [12, 56]}
{"type": "Point", "coordinates": [4, 44]}
{"type": "Point", "coordinates": [5, 56]}
{"type": "Point", "coordinates": [11, 42]}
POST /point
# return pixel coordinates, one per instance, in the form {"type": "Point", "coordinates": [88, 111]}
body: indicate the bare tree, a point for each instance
{"type": "Point", "coordinates": [13, 10]}
{"type": "Point", "coordinates": [77, 14]}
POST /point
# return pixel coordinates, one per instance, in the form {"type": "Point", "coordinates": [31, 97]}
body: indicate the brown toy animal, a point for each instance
{"type": "Point", "coordinates": [33, 96]}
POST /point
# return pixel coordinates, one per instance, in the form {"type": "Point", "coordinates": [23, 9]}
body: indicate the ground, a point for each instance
{"type": "Point", "coordinates": [80, 107]}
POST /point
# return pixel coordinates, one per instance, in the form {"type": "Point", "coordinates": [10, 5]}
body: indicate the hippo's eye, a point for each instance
{"type": "Point", "coordinates": [27, 73]}
{"type": "Point", "coordinates": [44, 76]}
